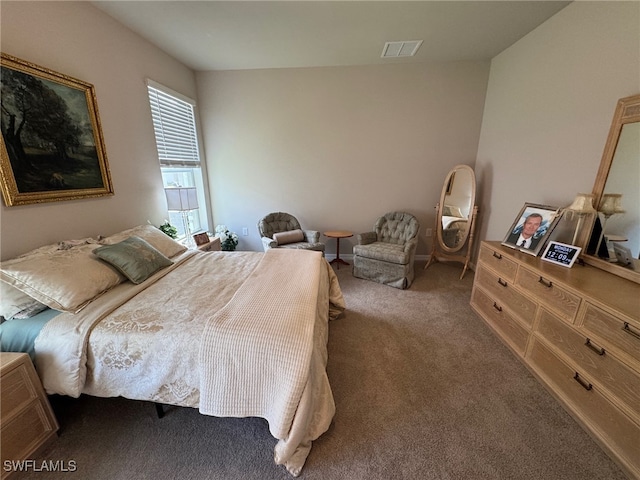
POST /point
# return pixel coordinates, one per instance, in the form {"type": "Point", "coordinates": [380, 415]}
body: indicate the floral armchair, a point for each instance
{"type": "Point", "coordinates": [386, 254]}
{"type": "Point", "coordinates": [282, 230]}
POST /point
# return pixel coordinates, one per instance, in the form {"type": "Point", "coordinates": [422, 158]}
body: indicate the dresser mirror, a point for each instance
{"type": "Point", "coordinates": [455, 217]}
{"type": "Point", "coordinates": [618, 180]}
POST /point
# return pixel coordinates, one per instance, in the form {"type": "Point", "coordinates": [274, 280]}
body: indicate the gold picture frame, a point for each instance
{"type": "Point", "coordinates": [51, 147]}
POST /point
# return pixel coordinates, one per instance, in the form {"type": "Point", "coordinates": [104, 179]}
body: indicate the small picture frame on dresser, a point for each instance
{"type": "Point", "coordinates": [532, 227]}
{"type": "Point", "coordinates": [561, 253]}
{"type": "Point", "coordinates": [201, 238]}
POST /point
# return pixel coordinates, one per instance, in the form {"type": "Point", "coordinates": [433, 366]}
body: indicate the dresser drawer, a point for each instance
{"type": "Point", "coordinates": [549, 293]}
{"type": "Point", "coordinates": [509, 296]}
{"type": "Point", "coordinates": [16, 391]}
{"type": "Point", "coordinates": [501, 320]}
{"type": "Point", "coordinates": [592, 359]}
{"type": "Point", "coordinates": [613, 330]}
{"type": "Point", "coordinates": [500, 263]}
{"type": "Point", "coordinates": [617, 431]}
{"type": "Point", "coordinates": [25, 432]}
{"type": "Point", "coordinates": [27, 421]}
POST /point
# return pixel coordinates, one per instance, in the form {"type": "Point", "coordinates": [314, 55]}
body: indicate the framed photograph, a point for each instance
{"type": "Point", "coordinates": [561, 253]}
{"type": "Point", "coordinates": [532, 227]}
{"type": "Point", "coordinates": [201, 238]}
{"type": "Point", "coordinates": [51, 148]}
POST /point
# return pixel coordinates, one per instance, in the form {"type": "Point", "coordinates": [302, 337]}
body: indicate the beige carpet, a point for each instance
{"type": "Point", "coordinates": [423, 390]}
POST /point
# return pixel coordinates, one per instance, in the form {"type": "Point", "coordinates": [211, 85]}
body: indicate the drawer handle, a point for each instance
{"type": "Point", "coordinates": [627, 328]}
{"type": "Point", "coordinates": [587, 386]}
{"type": "Point", "coordinates": [546, 283]}
{"type": "Point", "coordinates": [599, 351]}
{"type": "Point", "coordinates": [497, 255]}
{"type": "Point", "coordinates": [502, 282]}
{"type": "Point", "coordinates": [497, 307]}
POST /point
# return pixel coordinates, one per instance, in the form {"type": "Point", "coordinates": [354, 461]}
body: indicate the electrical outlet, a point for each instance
{"type": "Point", "coordinates": [245, 231]}
{"type": "Point", "coordinates": [429, 232]}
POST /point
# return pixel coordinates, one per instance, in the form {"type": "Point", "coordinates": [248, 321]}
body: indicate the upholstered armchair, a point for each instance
{"type": "Point", "coordinates": [386, 255]}
{"type": "Point", "coordinates": [282, 230]}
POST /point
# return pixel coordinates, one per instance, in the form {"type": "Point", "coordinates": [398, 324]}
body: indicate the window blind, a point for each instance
{"type": "Point", "coordinates": [175, 129]}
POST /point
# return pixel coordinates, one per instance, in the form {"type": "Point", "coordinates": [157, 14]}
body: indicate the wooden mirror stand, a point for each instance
{"type": "Point", "coordinates": [455, 218]}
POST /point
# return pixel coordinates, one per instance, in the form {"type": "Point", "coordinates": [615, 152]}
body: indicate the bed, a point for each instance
{"type": "Point", "coordinates": [234, 334]}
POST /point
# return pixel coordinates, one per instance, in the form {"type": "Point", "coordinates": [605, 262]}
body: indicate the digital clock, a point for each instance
{"type": "Point", "coordinates": [561, 253]}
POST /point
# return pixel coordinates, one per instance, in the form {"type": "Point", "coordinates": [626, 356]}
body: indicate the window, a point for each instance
{"type": "Point", "coordinates": [177, 142]}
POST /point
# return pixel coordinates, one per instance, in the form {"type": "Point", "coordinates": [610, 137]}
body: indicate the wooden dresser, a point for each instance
{"type": "Point", "coordinates": [578, 331]}
{"type": "Point", "coordinates": [27, 421]}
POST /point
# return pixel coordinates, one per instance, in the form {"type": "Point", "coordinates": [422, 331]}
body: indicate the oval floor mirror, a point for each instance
{"type": "Point", "coordinates": [455, 218]}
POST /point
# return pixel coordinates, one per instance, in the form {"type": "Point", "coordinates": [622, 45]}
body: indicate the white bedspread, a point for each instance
{"type": "Point", "coordinates": [264, 351]}
{"type": "Point", "coordinates": [257, 352]}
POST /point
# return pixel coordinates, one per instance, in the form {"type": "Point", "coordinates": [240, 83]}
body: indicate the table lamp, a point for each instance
{"type": "Point", "coordinates": [582, 206]}
{"type": "Point", "coordinates": [183, 200]}
{"type": "Point", "coordinates": [610, 204]}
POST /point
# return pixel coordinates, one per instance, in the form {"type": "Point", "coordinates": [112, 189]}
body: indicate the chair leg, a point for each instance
{"type": "Point", "coordinates": [159, 410]}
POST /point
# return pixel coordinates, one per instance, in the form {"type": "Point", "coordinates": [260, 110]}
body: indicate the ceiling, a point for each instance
{"type": "Point", "coordinates": [235, 35]}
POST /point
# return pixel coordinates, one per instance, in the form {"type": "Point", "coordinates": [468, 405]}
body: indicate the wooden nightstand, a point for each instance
{"type": "Point", "coordinates": [212, 246]}
{"type": "Point", "coordinates": [27, 421]}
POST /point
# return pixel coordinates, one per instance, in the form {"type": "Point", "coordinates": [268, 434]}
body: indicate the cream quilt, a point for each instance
{"type": "Point", "coordinates": [233, 334]}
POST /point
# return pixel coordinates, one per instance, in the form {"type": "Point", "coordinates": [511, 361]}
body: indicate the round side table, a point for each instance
{"type": "Point", "coordinates": [338, 234]}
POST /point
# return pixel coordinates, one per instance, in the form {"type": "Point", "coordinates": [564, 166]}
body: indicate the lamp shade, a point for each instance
{"type": "Point", "coordinates": [181, 199]}
{"type": "Point", "coordinates": [582, 204]}
{"type": "Point", "coordinates": [611, 203]}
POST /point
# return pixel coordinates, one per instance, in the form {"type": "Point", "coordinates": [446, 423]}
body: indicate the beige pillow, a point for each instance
{"type": "Point", "coordinates": [67, 244]}
{"type": "Point", "coordinates": [17, 304]}
{"type": "Point", "coordinates": [156, 238]}
{"type": "Point", "coordinates": [291, 236]}
{"type": "Point", "coordinates": [64, 280]}
{"type": "Point", "coordinates": [63, 245]}
{"type": "Point", "coordinates": [44, 250]}
{"type": "Point", "coordinates": [452, 211]}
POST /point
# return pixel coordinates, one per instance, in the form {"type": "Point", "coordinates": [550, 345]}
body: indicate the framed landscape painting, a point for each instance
{"type": "Point", "coordinates": [51, 147]}
{"type": "Point", "coordinates": [532, 227]}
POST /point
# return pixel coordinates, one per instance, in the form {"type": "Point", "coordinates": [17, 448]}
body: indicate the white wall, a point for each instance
{"type": "Point", "coordinates": [76, 39]}
{"type": "Point", "coordinates": [549, 105]}
{"type": "Point", "coordinates": [337, 147]}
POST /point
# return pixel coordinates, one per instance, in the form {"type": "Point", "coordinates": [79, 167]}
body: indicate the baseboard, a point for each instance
{"type": "Point", "coordinates": [348, 257]}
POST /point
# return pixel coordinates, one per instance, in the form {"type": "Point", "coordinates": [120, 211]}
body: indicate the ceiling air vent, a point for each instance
{"type": "Point", "coordinates": [401, 49]}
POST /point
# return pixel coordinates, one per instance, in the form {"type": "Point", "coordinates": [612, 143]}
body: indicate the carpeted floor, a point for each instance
{"type": "Point", "coordinates": [423, 390]}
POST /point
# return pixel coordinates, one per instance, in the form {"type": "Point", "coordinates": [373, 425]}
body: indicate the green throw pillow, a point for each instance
{"type": "Point", "coordinates": [134, 257]}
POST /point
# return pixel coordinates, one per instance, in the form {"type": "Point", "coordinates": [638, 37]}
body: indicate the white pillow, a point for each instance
{"type": "Point", "coordinates": [154, 236]}
{"type": "Point", "coordinates": [64, 280]}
